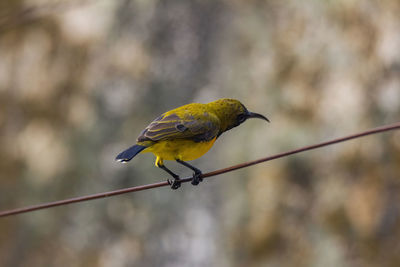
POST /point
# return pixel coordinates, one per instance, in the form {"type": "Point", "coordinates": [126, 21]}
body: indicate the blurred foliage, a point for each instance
{"type": "Point", "coordinates": [80, 79]}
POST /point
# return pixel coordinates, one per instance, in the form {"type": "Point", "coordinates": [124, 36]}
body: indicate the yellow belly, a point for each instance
{"type": "Point", "coordinates": [179, 149]}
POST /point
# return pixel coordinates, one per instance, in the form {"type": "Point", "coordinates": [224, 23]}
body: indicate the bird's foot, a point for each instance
{"type": "Point", "coordinates": [197, 177]}
{"type": "Point", "coordinates": [175, 183]}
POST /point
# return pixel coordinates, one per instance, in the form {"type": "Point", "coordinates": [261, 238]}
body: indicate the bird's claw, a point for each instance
{"type": "Point", "coordinates": [175, 183]}
{"type": "Point", "coordinates": [197, 178]}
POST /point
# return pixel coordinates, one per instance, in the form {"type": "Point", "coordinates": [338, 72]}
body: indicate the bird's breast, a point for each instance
{"type": "Point", "coordinates": [180, 149]}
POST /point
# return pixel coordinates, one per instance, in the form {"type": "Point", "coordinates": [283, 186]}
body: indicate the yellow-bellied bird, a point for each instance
{"type": "Point", "coordinates": [187, 133]}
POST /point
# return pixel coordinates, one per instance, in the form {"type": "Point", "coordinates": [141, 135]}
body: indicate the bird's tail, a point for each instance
{"type": "Point", "coordinates": [128, 154]}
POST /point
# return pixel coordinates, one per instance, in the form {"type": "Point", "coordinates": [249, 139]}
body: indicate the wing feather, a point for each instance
{"type": "Point", "coordinates": [185, 126]}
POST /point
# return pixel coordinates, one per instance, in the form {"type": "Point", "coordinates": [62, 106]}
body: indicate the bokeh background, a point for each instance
{"type": "Point", "coordinates": [79, 80]}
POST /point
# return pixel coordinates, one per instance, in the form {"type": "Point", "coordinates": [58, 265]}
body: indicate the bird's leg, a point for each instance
{"type": "Point", "coordinates": [176, 183]}
{"type": "Point", "coordinates": [196, 175]}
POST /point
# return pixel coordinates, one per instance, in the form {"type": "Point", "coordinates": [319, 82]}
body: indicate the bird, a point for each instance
{"type": "Point", "coordinates": [187, 133]}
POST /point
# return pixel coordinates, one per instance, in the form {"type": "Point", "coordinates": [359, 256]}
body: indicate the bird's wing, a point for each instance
{"type": "Point", "coordinates": [185, 126]}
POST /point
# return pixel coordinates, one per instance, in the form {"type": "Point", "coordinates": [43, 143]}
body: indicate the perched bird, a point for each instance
{"type": "Point", "coordinates": [187, 133]}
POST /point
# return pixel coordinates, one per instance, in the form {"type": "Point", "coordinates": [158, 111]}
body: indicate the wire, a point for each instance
{"type": "Point", "coordinates": [205, 175]}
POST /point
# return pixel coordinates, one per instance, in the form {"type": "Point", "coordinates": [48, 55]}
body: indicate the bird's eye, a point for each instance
{"type": "Point", "coordinates": [241, 118]}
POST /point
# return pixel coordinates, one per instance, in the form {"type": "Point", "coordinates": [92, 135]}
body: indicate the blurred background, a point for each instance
{"type": "Point", "coordinates": [79, 80]}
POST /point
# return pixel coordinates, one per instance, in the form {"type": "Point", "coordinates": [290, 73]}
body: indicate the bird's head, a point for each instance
{"type": "Point", "coordinates": [232, 113]}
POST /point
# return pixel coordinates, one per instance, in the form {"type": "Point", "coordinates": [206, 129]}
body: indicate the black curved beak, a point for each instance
{"type": "Point", "coordinates": [256, 116]}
